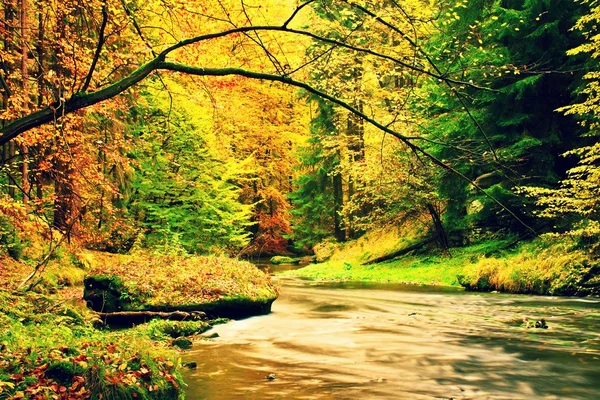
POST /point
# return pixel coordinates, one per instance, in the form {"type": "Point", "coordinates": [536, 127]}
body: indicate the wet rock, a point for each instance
{"type": "Point", "coordinates": [541, 324]}
{"type": "Point", "coordinates": [213, 335]}
{"type": "Point", "coordinates": [271, 377]}
{"type": "Point", "coordinates": [182, 343]}
{"type": "Point", "coordinates": [191, 365]}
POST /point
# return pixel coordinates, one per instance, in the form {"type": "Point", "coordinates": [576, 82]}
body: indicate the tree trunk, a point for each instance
{"type": "Point", "coordinates": [438, 227]}
{"type": "Point", "coordinates": [338, 204]}
{"type": "Point", "coordinates": [39, 47]}
{"type": "Point", "coordinates": [24, 76]}
{"type": "Point", "coordinates": [356, 146]}
{"type": "Point", "coordinates": [401, 252]}
{"type": "Point", "coordinates": [8, 148]}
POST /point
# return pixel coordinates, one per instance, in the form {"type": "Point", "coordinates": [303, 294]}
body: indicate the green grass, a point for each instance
{"type": "Point", "coordinates": [548, 265]}
{"type": "Point", "coordinates": [432, 268]}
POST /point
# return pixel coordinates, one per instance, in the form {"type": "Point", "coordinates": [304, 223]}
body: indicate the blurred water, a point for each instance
{"type": "Point", "coordinates": [349, 341]}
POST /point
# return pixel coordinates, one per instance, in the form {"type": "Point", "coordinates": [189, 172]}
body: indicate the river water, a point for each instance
{"type": "Point", "coordinates": [360, 341]}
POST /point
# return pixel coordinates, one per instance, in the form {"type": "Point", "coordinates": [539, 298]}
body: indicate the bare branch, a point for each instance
{"type": "Point", "coordinates": [296, 11]}
{"type": "Point", "coordinates": [101, 40]}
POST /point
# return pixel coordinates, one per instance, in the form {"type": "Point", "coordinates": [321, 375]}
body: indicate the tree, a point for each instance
{"type": "Point", "coordinates": [101, 60]}
{"type": "Point", "coordinates": [506, 136]}
{"type": "Point", "coordinates": [183, 194]}
{"type": "Point", "coordinates": [576, 201]}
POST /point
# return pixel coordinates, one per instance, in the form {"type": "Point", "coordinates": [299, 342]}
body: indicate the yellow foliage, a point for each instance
{"type": "Point", "coordinates": [545, 267]}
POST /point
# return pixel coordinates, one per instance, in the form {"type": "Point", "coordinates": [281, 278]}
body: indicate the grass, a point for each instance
{"type": "Point", "coordinates": [431, 268]}
{"type": "Point", "coordinates": [548, 265]}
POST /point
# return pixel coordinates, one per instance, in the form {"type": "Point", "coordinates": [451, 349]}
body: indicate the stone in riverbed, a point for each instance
{"type": "Point", "coordinates": [182, 342]}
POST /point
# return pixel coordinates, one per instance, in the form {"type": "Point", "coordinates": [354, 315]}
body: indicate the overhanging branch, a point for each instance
{"type": "Point", "coordinates": [289, 81]}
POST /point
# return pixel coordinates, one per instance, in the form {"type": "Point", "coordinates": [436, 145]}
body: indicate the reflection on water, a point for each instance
{"type": "Point", "coordinates": [348, 341]}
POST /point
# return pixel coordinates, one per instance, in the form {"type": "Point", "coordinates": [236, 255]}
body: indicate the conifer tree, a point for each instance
{"type": "Point", "coordinates": [509, 133]}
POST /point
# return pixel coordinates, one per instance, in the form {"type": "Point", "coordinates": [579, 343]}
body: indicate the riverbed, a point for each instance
{"type": "Point", "coordinates": [365, 341]}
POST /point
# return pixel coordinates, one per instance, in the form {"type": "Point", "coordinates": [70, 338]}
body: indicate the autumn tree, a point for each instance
{"type": "Point", "coordinates": [92, 54]}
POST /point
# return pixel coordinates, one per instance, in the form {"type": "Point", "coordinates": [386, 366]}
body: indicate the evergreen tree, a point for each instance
{"type": "Point", "coordinates": [508, 133]}
{"type": "Point", "coordinates": [318, 200]}
{"type": "Point", "coordinates": [183, 194]}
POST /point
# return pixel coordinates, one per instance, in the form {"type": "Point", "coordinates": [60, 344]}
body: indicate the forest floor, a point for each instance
{"type": "Point", "coordinates": [547, 265]}
{"type": "Point", "coordinates": [50, 342]}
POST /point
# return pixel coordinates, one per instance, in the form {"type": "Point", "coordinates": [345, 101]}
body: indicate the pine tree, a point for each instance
{"type": "Point", "coordinates": [508, 133]}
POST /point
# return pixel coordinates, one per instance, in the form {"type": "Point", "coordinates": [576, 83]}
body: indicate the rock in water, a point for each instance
{"type": "Point", "coordinates": [182, 343]}
{"type": "Point", "coordinates": [541, 324]}
{"type": "Point", "coordinates": [271, 377]}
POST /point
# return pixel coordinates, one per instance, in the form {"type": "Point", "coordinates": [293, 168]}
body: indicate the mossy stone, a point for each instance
{"type": "Point", "coordinates": [182, 343]}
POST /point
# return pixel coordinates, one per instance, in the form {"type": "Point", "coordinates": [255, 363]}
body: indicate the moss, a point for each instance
{"type": "Point", "coordinates": [553, 266]}
{"type": "Point", "coordinates": [284, 260]}
{"type": "Point", "coordinates": [182, 343]}
{"type": "Point", "coordinates": [63, 372]}
{"type": "Point", "coordinates": [174, 329]}
{"type": "Point", "coordinates": [108, 293]}
{"type": "Point", "coordinates": [220, 287]}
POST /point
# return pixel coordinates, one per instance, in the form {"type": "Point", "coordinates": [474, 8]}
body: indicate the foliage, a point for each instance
{"type": "Point", "coordinates": [159, 281]}
{"type": "Point", "coordinates": [50, 352]}
{"type": "Point", "coordinates": [183, 193]}
{"type": "Point", "coordinates": [313, 215]}
{"type": "Point", "coordinates": [576, 201]}
{"type": "Point", "coordinates": [510, 136]}
{"type": "Point", "coordinates": [548, 266]}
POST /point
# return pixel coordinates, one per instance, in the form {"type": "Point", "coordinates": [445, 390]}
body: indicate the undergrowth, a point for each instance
{"type": "Point", "coordinates": [51, 350]}
{"type": "Point", "coordinates": [170, 281]}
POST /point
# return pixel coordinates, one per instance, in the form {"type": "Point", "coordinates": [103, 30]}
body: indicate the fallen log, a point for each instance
{"type": "Point", "coordinates": [122, 318]}
{"type": "Point", "coordinates": [401, 252]}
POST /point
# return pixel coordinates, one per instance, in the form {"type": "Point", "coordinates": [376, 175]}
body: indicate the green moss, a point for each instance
{"type": "Point", "coordinates": [284, 260]}
{"type": "Point", "coordinates": [63, 372]}
{"type": "Point", "coordinates": [160, 328]}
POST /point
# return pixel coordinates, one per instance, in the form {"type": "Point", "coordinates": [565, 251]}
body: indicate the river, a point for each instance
{"type": "Point", "coordinates": [361, 341]}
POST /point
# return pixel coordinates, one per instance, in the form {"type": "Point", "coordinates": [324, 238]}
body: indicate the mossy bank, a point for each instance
{"type": "Point", "coordinates": [52, 346]}
{"type": "Point", "coordinates": [220, 287]}
{"type": "Point", "coordinates": [550, 265]}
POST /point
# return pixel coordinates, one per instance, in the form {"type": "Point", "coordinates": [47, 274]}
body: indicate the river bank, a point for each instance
{"type": "Point", "coordinates": [55, 346]}
{"type": "Point", "coordinates": [547, 266]}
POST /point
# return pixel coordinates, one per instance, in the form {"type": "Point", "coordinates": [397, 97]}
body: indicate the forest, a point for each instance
{"type": "Point", "coordinates": [154, 153]}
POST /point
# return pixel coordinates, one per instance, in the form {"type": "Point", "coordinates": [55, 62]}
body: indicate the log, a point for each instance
{"type": "Point", "coordinates": [123, 318]}
{"type": "Point", "coordinates": [401, 252]}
